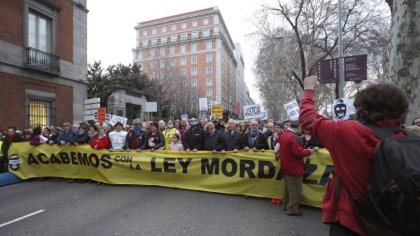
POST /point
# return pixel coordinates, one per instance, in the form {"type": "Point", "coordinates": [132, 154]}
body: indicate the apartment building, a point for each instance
{"type": "Point", "coordinates": [43, 61]}
{"type": "Point", "coordinates": [193, 49]}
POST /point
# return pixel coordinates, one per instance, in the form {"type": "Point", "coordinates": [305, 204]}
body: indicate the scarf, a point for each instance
{"type": "Point", "coordinates": [137, 131]}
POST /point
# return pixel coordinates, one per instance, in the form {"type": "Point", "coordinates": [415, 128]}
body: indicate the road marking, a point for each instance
{"type": "Point", "coordinates": [21, 218]}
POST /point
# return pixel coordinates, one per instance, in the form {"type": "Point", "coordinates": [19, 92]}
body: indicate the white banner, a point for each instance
{"type": "Point", "coordinates": [343, 108]}
{"type": "Point", "coordinates": [115, 119]}
{"type": "Point", "coordinates": [252, 111]}
{"type": "Point", "coordinates": [202, 104]}
{"type": "Point", "coordinates": [292, 109]}
{"type": "Point", "coordinates": [184, 117]}
{"type": "Point", "coordinates": [151, 107]}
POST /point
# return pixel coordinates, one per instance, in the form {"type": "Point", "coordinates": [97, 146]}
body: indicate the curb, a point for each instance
{"type": "Point", "coordinates": [8, 179]}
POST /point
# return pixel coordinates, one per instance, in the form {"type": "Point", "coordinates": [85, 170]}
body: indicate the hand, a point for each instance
{"type": "Point", "coordinates": [262, 150]}
{"type": "Point", "coordinates": [77, 144]}
{"type": "Point", "coordinates": [51, 142]}
{"type": "Point", "coordinates": [223, 151]}
{"type": "Point", "coordinates": [110, 149]}
{"type": "Point", "coordinates": [311, 82]}
{"type": "Point", "coordinates": [214, 151]}
{"type": "Point", "coordinates": [195, 149]}
{"type": "Point", "coordinates": [235, 150]}
{"type": "Point", "coordinates": [127, 149]}
{"type": "Point", "coordinates": [316, 149]}
{"type": "Point", "coordinates": [246, 148]}
{"type": "Point", "coordinates": [96, 147]}
{"type": "Point", "coordinates": [187, 150]}
{"type": "Point", "coordinates": [138, 149]}
{"type": "Point", "coordinates": [152, 150]}
{"type": "Point", "coordinates": [254, 149]}
{"type": "Point", "coordinates": [62, 142]}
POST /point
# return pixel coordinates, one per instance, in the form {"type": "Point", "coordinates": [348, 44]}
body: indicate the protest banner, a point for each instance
{"type": "Point", "coordinates": [244, 173]}
{"type": "Point", "coordinates": [343, 108]}
{"type": "Point", "coordinates": [101, 114]}
{"type": "Point", "coordinates": [292, 109]}
{"type": "Point", "coordinates": [115, 119]}
{"type": "Point", "coordinates": [252, 111]}
{"type": "Point", "coordinates": [202, 103]}
{"type": "Point", "coordinates": [216, 110]}
{"type": "Point", "coordinates": [184, 117]}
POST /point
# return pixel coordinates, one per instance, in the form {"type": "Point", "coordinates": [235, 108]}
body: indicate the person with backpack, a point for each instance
{"type": "Point", "coordinates": [357, 148]}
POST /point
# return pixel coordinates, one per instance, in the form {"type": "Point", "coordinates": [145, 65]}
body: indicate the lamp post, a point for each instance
{"type": "Point", "coordinates": [340, 55]}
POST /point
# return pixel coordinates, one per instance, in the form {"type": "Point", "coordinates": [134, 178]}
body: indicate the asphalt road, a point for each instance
{"type": "Point", "coordinates": [87, 209]}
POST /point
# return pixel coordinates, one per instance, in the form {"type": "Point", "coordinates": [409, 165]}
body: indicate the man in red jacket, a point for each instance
{"type": "Point", "coordinates": [292, 154]}
{"type": "Point", "coordinates": [352, 147]}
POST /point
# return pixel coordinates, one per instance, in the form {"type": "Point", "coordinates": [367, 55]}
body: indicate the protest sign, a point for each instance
{"type": "Point", "coordinates": [202, 103]}
{"type": "Point", "coordinates": [252, 111]}
{"type": "Point", "coordinates": [343, 108]}
{"type": "Point", "coordinates": [216, 110]}
{"type": "Point", "coordinates": [115, 119]}
{"type": "Point", "coordinates": [184, 117]}
{"type": "Point", "coordinates": [292, 109]}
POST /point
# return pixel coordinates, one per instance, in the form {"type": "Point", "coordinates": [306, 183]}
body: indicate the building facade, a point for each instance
{"type": "Point", "coordinates": [193, 54]}
{"type": "Point", "coordinates": [43, 62]}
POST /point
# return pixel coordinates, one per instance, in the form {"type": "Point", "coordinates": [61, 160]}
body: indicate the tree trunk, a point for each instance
{"type": "Point", "coordinates": [404, 52]}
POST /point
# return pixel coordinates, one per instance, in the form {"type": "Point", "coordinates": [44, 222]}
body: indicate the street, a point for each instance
{"type": "Point", "coordinates": [61, 208]}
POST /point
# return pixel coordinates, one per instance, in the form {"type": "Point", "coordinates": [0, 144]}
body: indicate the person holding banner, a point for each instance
{"type": "Point", "coordinates": [117, 137]}
{"type": "Point", "coordinates": [168, 132]}
{"type": "Point", "coordinates": [67, 135]}
{"type": "Point", "coordinates": [231, 139]}
{"type": "Point", "coordinates": [352, 146]}
{"type": "Point", "coordinates": [10, 137]}
{"type": "Point", "coordinates": [194, 137]}
{"type": "Point", "coordinates": [254, 140]}
{"type": "Point", "coordinates": [212, 139]}
{"type": "Point", "coordinates": [292, 153]}
{"type": "Point", "coordinates": [100, 141]}
{"type": "Point", "coordinates": [136, 138]}
{"type": "Point", "coordinates": [155, 139]}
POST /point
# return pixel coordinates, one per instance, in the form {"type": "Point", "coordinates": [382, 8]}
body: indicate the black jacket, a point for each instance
{"type": "Point", "coordinates": [6, 144]}
{"type": "Point", "coordinates": [159, 141]}
{"type": "Point", "coordinates": [194, 139]}
{"type": "Point", "coordinates": [213, 141]}
{"type": "Point", "coordinates": [260, 141]}
{"type": "Point", "coordinates": [231, 141]}
{"type": "Point", "coordinates": [80, 138]}
{"type": "Point", "coordinates": [140, 141]}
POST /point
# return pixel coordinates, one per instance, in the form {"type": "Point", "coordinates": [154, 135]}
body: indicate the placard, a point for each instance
{"type": "Point", "coordinates": [343, 108]}
{"type": "Point", "coordinates": [292, 109]}
{"type": "Point", "coordinates": [252, 111]}
{"type": "Point", "coordinates": [216, 110]}
{"type": "Point", "coordinates": [203, 106]}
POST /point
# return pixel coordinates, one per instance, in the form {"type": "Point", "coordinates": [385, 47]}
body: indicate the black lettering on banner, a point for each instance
{"type": "Point", "coordinates": [246, 166]}
{"type": "Point", "coordinates": [73, 156]}
{"type": "Point", "coordinates": [64, 157]}
{"type": "Point", "coordinates": [54, 159]}
{"type": "Point", "coordinates": [42, 155]}
{"type": "Point", "coordinates": [213, 167]}
{"type": "Point", "coordinates": [280, 175]}
{"type": "Point", "coordinates": [261, 169]}
{"type": "Point", "coordinates": [184, 164]}
{"type": "Point", "coordinates": [94, 160]}
{"type": "Point", "coordinates": [233, 170]}
{"type": "Point", "coordinates": [32, 159]}
{"type": "Point", "coordinates": [106, 163]}
{"type": "Point", "coordinates": [167, 163]}
{"type": "Point", "coordinates": [329, 169]}
{"type": "Point", "coordinates": [153, 165]}
{"type": "Point", "coordinates": [83, 159]}
{"type": "Point", "coordinates": [309, 170]}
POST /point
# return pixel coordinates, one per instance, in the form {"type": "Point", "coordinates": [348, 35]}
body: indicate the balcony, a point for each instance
{"type": "Point", "coordinates": [40, 60]}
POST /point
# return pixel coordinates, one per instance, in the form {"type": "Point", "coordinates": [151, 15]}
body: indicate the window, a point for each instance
{"type": "Point", "coordinates": [172, 50]}
{"type": "Point", "coordinates": [152, 65]}
{"type": "Point", "coordinates": [162, 52]}
{"type": "Point", "coordinates": [153, 53]}
{"type": "Point", "coordinates": [193, 47]}
{"type": "Point", "coordinates": [184, 37]}
{"type": "Point", "coordinates": [209, 57]}
{"type": "Point", "coordinates": [144, 43]}
{"type": "Point", "coordinates": [209, 69]}
{"type": "Point", "coordinates": [164, 40]}
{"type": "Point", "coordinates": [183, 71]}
{"type": "Point", "coordinates": [163, 30]}
{"type": "Point", "coordinates": [205, 21]}
{"type": "Point", "coordinates": [194, 71]}
{"type": "Point", "coordinates": [209, 81]}
{"type": "Point", "coordinates": [154, 31]}
{"type": "Point", "coordinates": [173, 27]}
{"type": "Point", "coordinates": [193, 59]}
{"type": "Point", "coordinates": [194, 23]}
{"type": "Point", "coordinates": [39, 32]}
{"type": "Point", "coordinates": [209, 45]}
{"type": "Point", "coordinates": [194, 83]}
{"type": "Point", "coordinates": [194, 35]}
{"type": "Point", "coordinates": [206, 33]}
{"type": "Point", "coordinates": [162, 64]}
{"type": "Point", "coordinates": [184, 25]}
{"type": "Point", "coordinates": [173, 62]}
{"type": "Point", "coordinates": [183, 61]}
{"type": "Point", "coordinates": [174, 38]}
{"type": "Point", "coordinates": [209, 93]}
{"type": "Point", "coordinates": [183, 48]}
{"type": "Point", "coordinates": [145, 33]}
{"type": "Point", "coordinates": [40, 110]}
{"type": "Point", "coordinates": [139, 55]}
{"type": "Point", "coordinates": [154, 42]}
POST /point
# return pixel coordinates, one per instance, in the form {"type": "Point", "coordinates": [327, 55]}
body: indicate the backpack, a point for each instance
{"type": "Point", "coordinates": [392, 202]}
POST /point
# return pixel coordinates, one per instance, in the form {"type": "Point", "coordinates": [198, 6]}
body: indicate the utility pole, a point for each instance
{"type": "Point", "coordinates": [340, 55]}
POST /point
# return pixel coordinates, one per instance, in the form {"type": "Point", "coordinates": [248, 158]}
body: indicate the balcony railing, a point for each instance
{"type": "Point", "coordinates": [41, 60]}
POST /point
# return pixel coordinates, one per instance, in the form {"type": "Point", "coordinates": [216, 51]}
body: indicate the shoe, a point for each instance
{"type": "Point", "coordinates": [299, 213]}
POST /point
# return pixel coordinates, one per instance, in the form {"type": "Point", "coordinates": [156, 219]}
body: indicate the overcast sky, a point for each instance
{"type": "Point", "coordinates": [111, 34]}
